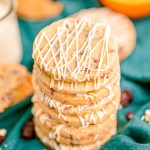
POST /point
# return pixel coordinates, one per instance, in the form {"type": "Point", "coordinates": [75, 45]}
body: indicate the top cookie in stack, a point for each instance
{"type": "Point", "coordinates": [76, 79]}
{"type": "Point", "coordinates": [75, 51]}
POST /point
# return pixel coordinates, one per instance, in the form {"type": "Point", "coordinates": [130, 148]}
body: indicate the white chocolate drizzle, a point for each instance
{"type": "Point", "coordinates": [62, 65]}
{"type": "Point", "coordinates": [67, 108]}
{"type": "Point", "coordinates": [56, 134]}
{"type": "Point", "coordinates": [43, 118]}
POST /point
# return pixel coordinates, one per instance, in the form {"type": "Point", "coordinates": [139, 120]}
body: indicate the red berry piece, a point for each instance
{"type": "Point", "coordinates": [2, 139]}
{"type": "Point", "coordinates": [126, 98]}
{"type": "Point", "coordinates": [129, 115]}
{"type": "Point", "coordinates": [28, 131]}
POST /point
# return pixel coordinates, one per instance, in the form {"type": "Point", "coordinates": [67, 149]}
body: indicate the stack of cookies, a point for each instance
{"type": "Point", "coordinates": [76, 78]}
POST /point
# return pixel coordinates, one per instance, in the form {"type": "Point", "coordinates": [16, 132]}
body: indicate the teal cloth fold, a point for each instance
{"type": "Point", "coordinates": [135, 135]}
{"type": "Point", "coordinates": [135, 71]}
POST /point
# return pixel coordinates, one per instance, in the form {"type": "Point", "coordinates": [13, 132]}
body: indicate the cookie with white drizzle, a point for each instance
{"type": "Point", "coordinates": [124, 31]}
{"type": "Point", "coordinates": [83, 119]}
{"type": "Point", "coordinates": [79, 99]}
{"type": "Point", "coordinates": [67, 131]}
{"type": "Point", "coordinates": [77, 87]}
{"type": "Point", "coordinates": [70, 109]}
{"type": "Point", "coordinates": [77, 139]}
{"type": "Point", "coordinates": [75, 50]}
{"type": "Point", "coordinates": [53, 144]}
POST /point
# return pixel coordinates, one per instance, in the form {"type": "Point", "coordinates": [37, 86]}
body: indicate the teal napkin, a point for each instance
{"type": "Point", "coordinates": [137, 66]}
{"type": "Point", "coordinates": [135, 70]}
{"type": "Point", "coordinates": [135, 136]}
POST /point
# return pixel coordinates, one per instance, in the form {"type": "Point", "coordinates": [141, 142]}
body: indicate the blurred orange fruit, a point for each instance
{"type": "Point", "coordinates": [131, 8]}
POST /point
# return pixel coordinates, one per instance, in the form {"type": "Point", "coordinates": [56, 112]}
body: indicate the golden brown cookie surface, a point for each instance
{"type": "Point", "coordinates": [75, 50]}
{"type": "Point", "coordinates": [53, 144]}
{"type": "Point", "coordinates": [15, 84]}
{"type": "Point", "coordinates": [78, 136]}
{"type": "Point", "coordinates": [122, 27]}
{"type": "Point", "coordinates": [107, 77]}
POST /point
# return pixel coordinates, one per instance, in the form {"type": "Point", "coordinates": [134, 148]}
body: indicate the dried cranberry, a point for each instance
{"type": "Point", "coordinates": [30, 124]}
{"type": "Point", "coordinates": [126, 98]}
{"type": "Point", "coordinates": [85, 69]}
{"type": "Point", "coordinates": [28, 131]}
{"type": "Point", "coordinates": [52, 91]}
{"type": "Point", "coordinates": [2, 139]}
{"type": "Point", "coordinates": [96, 61]}
{"type": "Point", "coordinates": [129, 115]}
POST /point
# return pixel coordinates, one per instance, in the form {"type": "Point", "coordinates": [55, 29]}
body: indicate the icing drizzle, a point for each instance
{"type": "Point", "coordinates": [62, 65]}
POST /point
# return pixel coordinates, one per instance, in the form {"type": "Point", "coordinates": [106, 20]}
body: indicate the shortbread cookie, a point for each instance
{"type": "Point", "coordinates": [78, 87]}
{"type": "Point", "coordinates": [15, 84]}
{"type": "Point", "coordinates": [87, 98]}
{"type": "Point", "coordinates": [122, 27]}
{"type": "Point", "coordinates": [73, 109]}
{"type": "Point", "coordinates": [53, 144]}
{"type": "Point", "coordinates": [83, 120]}
{"type": "Point", "coordinates": [77, 140]}
{"type": "Point", "coordinates": [38, 9]}
{"type": "Point", "coordinates": [75, 50]}
{"type": "Point", "coordinates": [75, 133]}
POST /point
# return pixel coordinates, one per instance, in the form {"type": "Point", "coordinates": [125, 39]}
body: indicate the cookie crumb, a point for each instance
{"type": "Point", "coordinates": [146, 116]}
{"type": "Point", "coordinates": [3, 132]}
{"type": "Point", "coordinates": [5, 145]}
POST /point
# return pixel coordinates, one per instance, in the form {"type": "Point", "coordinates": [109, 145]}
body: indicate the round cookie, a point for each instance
{"type": "Point", "coordinates": [53, 144]}
{"type": "Point", "coordinates": [83, 120]}
{"type": "Point", "coordinates": [122, 27]}
{"type": "Point", "coordinates": [72, 109]}
{"type": "Point", "coordinates": [75, 133]}
{"type": "Point", "coordinates": [78, 87]}
{"type": "Point", "coordinates": [78, 99]}
{"type": "Point", "coordinates": [77, 140]}
{"type": "Point", "coordinates": [75, 50]}
{"type": "Point", "coordinates": [15, 84]}
{"type": "Point", "coordinates": [38, 9]}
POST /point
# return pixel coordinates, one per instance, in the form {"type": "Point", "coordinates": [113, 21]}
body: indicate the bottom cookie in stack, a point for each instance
{"type": "Point", "coordinates": [55, 145]}
{"type": "Point", "coordinates": [59, 136]}
{"type": "Point", "coordinates": [74, 136]}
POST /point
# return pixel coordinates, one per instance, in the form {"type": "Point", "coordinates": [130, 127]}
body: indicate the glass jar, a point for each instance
{"type": "Point", "coordinates": [10, 43]}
